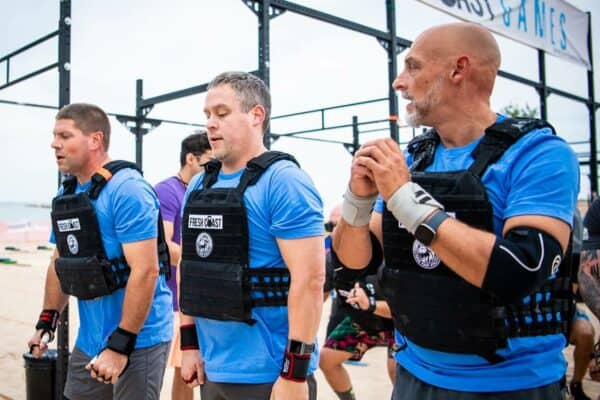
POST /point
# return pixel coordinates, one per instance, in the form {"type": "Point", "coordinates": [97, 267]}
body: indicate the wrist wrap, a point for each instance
{"type": "Point", "coordinates": [356, 210]}
{"type": "Point", "coordinates": [411, 205]}
{"type": "Point", "coordinates": [47, 322]}
{"type": "Point", "coordinates": [122, 341]}
{"type": "Point", "coordinates": [189, 337]}
{"type": "Point", "coordinates": [295, 366]}
{"type": "Point", "coordinates": [370, 290]}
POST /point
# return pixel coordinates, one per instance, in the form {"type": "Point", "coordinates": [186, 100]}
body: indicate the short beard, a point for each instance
{"type": "Point", "coordinates": [423, 109]}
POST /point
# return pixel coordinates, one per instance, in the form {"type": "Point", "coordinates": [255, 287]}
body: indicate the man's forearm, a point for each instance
{"type": "Point", "coordinates": [139, 293]}
{"type": "Point", "coordinates": [305, 303]}
{"type": "Point", "coordinates": [464, 249]}
{"type": "Point", "coordinates": [54, 298]}
{"type": "Point", "coordinates": [352, 244]}
{"type": "Point", "coordinates": [141, 284]}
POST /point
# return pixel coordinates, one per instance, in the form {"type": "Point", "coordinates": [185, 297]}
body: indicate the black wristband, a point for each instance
{"type": "Point", "coordinates": [369, 289]}
{"type": "Point", "coordinates": [372, 305]}
{"type": "Point", "coordinates": [47, 322]}
{"type": "Point", "coordinates": [122, 341]}
{"type": "Point", "coordinates": [189, 337]}
{"type": "Point", "coordinates": [295, 366]}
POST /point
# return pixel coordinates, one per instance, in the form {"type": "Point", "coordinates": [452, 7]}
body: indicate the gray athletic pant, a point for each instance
{"type": "Point", "coordinates": [241, 391]}
{"type": "Point", "coordinates": [408, 387]}
{"type": "Point", "coordinates": [142, 380]}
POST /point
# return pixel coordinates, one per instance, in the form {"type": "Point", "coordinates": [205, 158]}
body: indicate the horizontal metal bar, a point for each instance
{"type": "Point", "coordinates": [569, 95]}
{"type": "Point", "coordinates": [332, 19]}
{"type": "Point", "coordinates": [154, 121]}
{"type": "Point", "coordinates": [375, 130]}
{"type": "Point", "coordinates": [358, 103]}
{"type": "Point", "coordinates": [30, 45]}
{"type": "Point", "coordinates": [179, 94]}
{"type": "Point", "coordinates": [538, 85]}
{"type": "Point", "coordinates": [332, 127]}
{"type": "Point", "coordinates": [519, 79]}
{"type": "Point", "coordinates": [30, 75]}
{"type": "Point", "coordinates": [170, 121]}
{"type": "Point", "coordinates": [22, 103]}
{"type": "Point", "coordinates": [276, 135]}
{"type": "Point", "coordinates": [174, 95]}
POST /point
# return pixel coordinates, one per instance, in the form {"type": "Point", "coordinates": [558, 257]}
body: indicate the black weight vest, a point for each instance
{"type": "Point", "coordinates": [216, 279]}
{"type": "Point", "coordinates": [83, 268]}
{"type": "Point", "coordinates": [434, 307]}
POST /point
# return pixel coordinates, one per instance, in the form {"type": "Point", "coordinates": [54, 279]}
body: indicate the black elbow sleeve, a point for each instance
{"type": "Point", "coordinates": [344, 275]}
{"type": "Point", "coordinates": [520, 262]}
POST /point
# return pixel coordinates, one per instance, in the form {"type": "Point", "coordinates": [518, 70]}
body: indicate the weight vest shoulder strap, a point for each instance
{"type": "Point", "coordinates": [258, 165]}
{"type": "Point", "coordinates": [499, 137]}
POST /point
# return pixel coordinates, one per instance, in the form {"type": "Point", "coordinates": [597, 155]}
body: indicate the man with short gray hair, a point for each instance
{"type": "Point", "coordinates": [253, 263]}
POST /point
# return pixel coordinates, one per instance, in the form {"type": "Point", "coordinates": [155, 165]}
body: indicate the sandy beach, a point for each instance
{"type": "Point", "coordinates": [21, 291]}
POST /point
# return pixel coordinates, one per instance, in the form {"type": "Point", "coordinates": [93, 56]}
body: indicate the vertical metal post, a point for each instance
{"type": "Point", "coordinates": [355, 133]}
{"type": "Point", "coordinates": [592, 112]}
{"type": "Point", "coordinates": [264, 53]}
{"type": "Point", "coordinates": [64, 98]}
{"type": "Point", "coordinates": [139, 116]}
{"type": "Point", "coordinates": [543, 90]}
{"type": "Point", "coordinates": [392, 67]}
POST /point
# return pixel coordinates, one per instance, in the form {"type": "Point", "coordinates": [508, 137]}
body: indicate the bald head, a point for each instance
{"type": "Point", "coordinates": [456, 39]}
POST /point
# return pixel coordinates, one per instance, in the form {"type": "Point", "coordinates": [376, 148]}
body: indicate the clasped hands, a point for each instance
{"type": "Point", "coordinates": [378, 167]}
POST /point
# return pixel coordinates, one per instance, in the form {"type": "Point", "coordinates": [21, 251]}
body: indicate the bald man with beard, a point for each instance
{"type": "Point", "coordinates": [473, 221]}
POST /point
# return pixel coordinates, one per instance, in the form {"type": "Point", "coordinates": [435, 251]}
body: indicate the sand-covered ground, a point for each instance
{"type": "Point", "coordinates": [21, 291]}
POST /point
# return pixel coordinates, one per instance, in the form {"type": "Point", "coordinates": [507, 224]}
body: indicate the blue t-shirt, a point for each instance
{"type": "Point", "coordinates": [538, 175]}
{"type": "Point", "coordinates": [127, 211]}
{"type": "Point", "coordinates": [282, 204]}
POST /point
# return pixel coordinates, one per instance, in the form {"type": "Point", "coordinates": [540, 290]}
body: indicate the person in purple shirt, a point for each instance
{"type": "Point", "coordinates": [195, 152]}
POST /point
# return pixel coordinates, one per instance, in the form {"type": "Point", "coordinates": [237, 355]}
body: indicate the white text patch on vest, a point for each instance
{"type": "Point", "coordinates": [68, 225]}
{"type": "Point", "coordinates": [197, 221]}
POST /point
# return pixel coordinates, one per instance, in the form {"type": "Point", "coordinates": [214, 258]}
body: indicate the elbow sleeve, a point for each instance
{"type": "Point", "coordinates": [520, 262]}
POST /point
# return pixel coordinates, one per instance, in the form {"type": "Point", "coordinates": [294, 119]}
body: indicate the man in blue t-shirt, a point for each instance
{"type": "Point", "coordinates": [474, 220]}
{"type": "Point", "coordinates": [267, 350]}
{"type": "Point", "coordinates": [107, 255]}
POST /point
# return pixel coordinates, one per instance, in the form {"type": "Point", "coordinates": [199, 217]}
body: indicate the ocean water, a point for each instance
{"type": "Point", "coordinates": [21, 212]}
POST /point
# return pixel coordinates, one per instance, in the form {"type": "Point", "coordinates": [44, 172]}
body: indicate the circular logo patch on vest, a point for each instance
{"type": "Point", "coordinates": [204, 245]}
{"type": "Point", "coordinates": [73, 244]}
{"type": "Point", "coordinates": [424, 256]}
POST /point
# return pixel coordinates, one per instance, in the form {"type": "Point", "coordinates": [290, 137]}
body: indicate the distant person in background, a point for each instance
{"type": "Point", "coordinates": [195, 152]}
{"type": "Point", "coordinates": [334, 217]}
{"type": "Point", "coordinates": [582, 331]}
{"type": "Point", "coordinates": [589, 274]}
{"type": "Point", "coordinates": [358, 322]}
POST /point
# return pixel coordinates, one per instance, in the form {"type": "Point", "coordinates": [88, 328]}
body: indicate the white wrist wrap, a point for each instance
{"type": "Point", "coordinates": [411, 205]}
{"type": "Point", "coordinates": [356, 210]}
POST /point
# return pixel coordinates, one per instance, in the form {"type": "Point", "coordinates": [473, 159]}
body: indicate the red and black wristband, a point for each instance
{"type": "Point", "coordinates": [296, 360]}
{"type": "Point", "coordinates": [295, 366]}
{"type": "Point", "coordinates": [189, 337]}
{"type": "Point", "coordinates": [47, 322]}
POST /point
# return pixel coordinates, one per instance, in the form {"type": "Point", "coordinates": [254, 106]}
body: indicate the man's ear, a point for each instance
{"type": "Point", "coordinates": [258, 114]}
{"type": "Point", "coordinates": [190, 158]}
{"type": "Point", "coordinates": [459, 69]}
{"type": "Point", "coordinates": [96, 140]}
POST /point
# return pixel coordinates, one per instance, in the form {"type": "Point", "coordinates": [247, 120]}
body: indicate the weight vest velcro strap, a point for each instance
{"type": "Point", "coordinates": [270, 286]}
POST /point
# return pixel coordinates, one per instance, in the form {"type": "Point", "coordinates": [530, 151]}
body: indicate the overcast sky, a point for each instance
{"type": "Point", "coordinates": [181, 43]}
